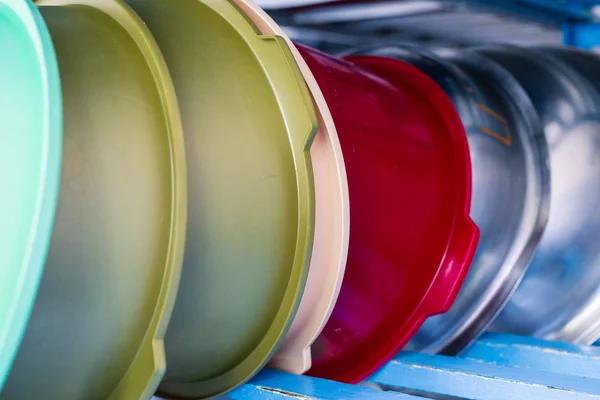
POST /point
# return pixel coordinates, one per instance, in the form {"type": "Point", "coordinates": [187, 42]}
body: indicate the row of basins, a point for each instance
{"type": "Point", "coordinates": [188, 197]}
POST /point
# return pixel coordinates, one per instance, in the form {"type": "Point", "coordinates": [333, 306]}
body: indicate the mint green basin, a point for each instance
{"type": "Point", "coordinates": [30, 159]}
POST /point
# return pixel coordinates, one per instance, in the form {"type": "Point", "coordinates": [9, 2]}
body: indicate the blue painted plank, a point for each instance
{"type": "Point", "coordinates": [542, 355]}
{"type": "Point", "coordinates": [583, 35]}
{"type": "Point", "coordinates": [275, 385]}
{"type": "Point", "coordinates": [453, 376]}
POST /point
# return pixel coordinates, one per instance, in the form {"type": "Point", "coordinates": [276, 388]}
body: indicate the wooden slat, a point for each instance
{"type": "Point", "coordinates": [538, 354]}
{"type": "Point", "coordinates": [275, 385]}
{"type": "Point", "coordinates": [453, 376]}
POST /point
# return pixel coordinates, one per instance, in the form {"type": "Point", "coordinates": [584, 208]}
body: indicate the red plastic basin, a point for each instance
{"type": "Point", "coordinates": [411, 237]}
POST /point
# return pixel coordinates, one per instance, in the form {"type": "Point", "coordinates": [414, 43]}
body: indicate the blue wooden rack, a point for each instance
{"type": "Point", "coordinates": [496, 367]}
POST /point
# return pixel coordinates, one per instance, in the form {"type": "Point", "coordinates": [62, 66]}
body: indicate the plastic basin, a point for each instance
{"type": "Point", "coordinates": [409, 179]}
{"type": "Point", "coordinates": [332, 221]}
{"type": "Point", "coordinates": [30, 158]}
{"type": "Point", "coordinates": [248, 123]}
{"type": "Point", "coordinates": [116, 249]}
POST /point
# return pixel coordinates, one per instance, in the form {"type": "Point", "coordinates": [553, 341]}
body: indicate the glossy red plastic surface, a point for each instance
{"type": "Point", "coordinates": [411, 238]}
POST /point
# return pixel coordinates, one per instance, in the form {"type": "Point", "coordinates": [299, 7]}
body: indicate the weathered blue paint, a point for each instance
{"type": "Point", "coordinates": [458, 377]}
{"type": "Point", "coordinates": [275, 385]}
{"type": "Point", "coordinates": [541, 355]}
{"type": "Point", "coordinates": [585, 35]}
{"type": "Point", "coordinates": [497, 367]}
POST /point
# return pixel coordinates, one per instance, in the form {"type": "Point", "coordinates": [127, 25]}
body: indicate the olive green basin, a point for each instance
{"type": "Point", "coordinates": [111, 275]}
{"type": "Point", "coordinates": [30, 157]}
{"type": "Point", "coordinates": [248, 123]}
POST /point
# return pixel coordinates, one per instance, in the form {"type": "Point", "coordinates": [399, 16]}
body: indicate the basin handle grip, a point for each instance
{"type": "Point", "coordinates": [457, 261]}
